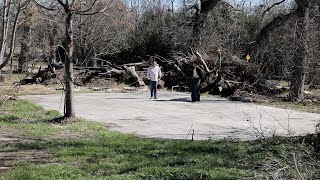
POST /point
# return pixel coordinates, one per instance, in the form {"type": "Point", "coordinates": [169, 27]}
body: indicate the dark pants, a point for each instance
{"type": "Point", "coordinates": [153, 88]}
{"type": "Point", "coordinates": [195, 95]}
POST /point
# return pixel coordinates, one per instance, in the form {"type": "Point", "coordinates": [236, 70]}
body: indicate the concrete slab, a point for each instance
{"type": "Point", "coordinates": [173, 116]}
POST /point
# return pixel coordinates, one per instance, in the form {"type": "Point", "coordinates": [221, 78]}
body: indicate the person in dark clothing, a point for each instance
{"type": "Point", "coordinates": [196, 81]}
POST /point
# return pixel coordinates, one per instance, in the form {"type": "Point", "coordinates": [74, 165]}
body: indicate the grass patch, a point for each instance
{"type": "Point", "coordinates": [28, 118]}
{"type": "Point", "coordinates": [24, 109]}
{"type": "Point", "coordinates": [98, 153]}
{"type": "Point", "coordinates": [33, 172]}
{"type": "Point", "coordinates": [121, 156]}
{"type": "Point", "coordinates": [300, 106]}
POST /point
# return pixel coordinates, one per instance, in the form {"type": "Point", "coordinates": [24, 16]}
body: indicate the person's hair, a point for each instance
{"type": "Point", "coordinates": [195, 62]}
{"type": "Point", "coordinates": [152, 60]}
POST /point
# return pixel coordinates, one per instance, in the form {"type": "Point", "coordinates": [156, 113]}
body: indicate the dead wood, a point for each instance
{"type": "Point", "coordinates": [132, 71]}
{"type": "Point", "coordinates": [203, 62]}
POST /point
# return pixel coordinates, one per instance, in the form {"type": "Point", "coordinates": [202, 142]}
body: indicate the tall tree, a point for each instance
{"type": "Point", "coordinates": [70, 9]}
{"type": "Point", "coordinates": [53, 35]}
{"type": "Point", "coordinates": [199, 19]}
{"type": "Point", "coordinates": [300, 59]}
{"type": "Point", "coordinates": [6, 10]}
{"type": "Point", "coordinates": [298, 71]}
{"type": "Point", "coordinates": [26, 40]}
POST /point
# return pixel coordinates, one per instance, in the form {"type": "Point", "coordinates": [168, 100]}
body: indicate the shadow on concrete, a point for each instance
{"type": "Point", "coordinates": [121, 98]}
{"type": "Point", "coordinates": [176, 100]}
{"type": "Point", "coordinates": [189, 100]}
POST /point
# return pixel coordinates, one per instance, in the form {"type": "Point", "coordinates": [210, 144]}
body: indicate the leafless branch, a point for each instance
{"type": "Point", "coordinates": [42, 6]}
{"type": "Point", "coordinates": [87, 10]}
{"type": "Point", "coordinates": [230, 6]}
{"type": "Point", "coordinates": [272, 6]}
{"type": "Point", "coordinates": [296, 166]}
{"type": "Point", "coordinates": [93, 13]}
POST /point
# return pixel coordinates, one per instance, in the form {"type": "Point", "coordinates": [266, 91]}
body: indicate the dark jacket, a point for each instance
{"type": "Point", "coordinates": [199, 72]}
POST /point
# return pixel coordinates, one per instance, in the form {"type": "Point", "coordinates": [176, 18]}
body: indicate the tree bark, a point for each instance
{"type": "Point", "coordinates": [52, 43]}
{"type": "Point", "coordinates": [4, 34]}
{"type": "Point", "coordinates": [199, 19]}
{"type": "Point", "coordinates": [91, 56]}
{"type": "Point", "coordinates": [300, 59]}
{"type": "Point", "coordinates": [196, 31]}
{"type": "Point", "coordinates": [5, 21]}
{"type": "Point", "coordinates": [25, 49]}
{"type": "Point", "coordinates": [69, 104]}
{"type": "Point", "coordinates": [298, 75]}
{"type": "Point", "coordinates": [132, 71]}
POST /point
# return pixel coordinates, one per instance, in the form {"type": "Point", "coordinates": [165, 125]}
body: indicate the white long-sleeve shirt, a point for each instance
{"type": "Point", "coordinates": [154, 73]}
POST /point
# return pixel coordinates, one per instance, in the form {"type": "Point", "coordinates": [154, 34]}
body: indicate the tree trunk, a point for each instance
{"type": "Point", "coordinates": [196, 32]}
{"type": "Point", "coordinates": [91, 55]}
{"type": "Point", "coordinates": [69, 104]}
{"type": "Point", "coordinates": [52, 43]}
{"type": "Point", "coordinates": [134, 74]}
{"type": "Point", "coordinates": [25, 48]}
{"type": "Point", "coordinates": [300, 59]}
{"type": "Point", "coordinates": [4, 61]}
{"type": "Point", "coordinates": [199, 20]}
{"type": "Point", "coordinates": [4, 34]}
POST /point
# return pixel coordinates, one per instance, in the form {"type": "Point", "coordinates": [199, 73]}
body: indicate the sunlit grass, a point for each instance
{"type": "Point", "coordinates": [94, 152]}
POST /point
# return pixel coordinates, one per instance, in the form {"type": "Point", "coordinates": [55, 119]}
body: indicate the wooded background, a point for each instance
{"type": "Point", "coordinates": [282, 38]}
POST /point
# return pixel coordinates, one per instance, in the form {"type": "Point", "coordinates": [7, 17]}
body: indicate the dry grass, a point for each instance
{"type": "Point", "coordinates": [11, 87]}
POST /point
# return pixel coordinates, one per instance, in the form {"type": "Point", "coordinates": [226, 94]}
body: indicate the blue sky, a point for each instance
{"type": "Point", "coordinates": [247, 3]}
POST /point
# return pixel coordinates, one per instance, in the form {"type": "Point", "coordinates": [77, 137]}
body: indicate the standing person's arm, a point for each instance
{"type": "Point", "coordinates": [160, 74]}
{"type": "Point", "coordinates": [148, 74]}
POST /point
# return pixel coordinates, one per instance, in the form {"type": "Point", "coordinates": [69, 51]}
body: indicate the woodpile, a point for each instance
{"type": "Point", "coordinates": [40, 77]}
{"type": "Point", "coordinates": [224, 74]}
{"type": "Point", "coordinates": [132, 74]}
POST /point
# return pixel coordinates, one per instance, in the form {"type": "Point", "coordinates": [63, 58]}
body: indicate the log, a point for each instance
{"type": "Point", "coordinates": [136, 64]}
{"type": "Point", "coordinates": [57, 66]}
{"type": "Point", "coordinates": [203, 62]}
{"type": "Point", "coordinates": [27, 80]}
{"type": "Point", "coordinates": [132, 71]}
{"type": "Point", "coordinates": [101, 69]}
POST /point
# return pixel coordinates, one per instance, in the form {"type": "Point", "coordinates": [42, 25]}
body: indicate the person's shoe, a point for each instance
{"type": "Point", "coordinates": [155, 98]}
{"type": "Point", "coordinates": [150, 97]}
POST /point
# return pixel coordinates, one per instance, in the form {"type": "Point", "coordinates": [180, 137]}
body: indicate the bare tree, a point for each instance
{"type": "Point", "coordinates": [298, 70]}
{"type": "Point", "coordinates": [6, 10]}
{"type": "Point", "coordinates": [52, 45]}
{"type": "Point", "coordinates": [199, 19]}
{"type": "Point", "coordinates": [26, 40]}
{"type": "Point", "coordinates": [70, 9]}
{"type": "Point", "coordinates": [300, 59]}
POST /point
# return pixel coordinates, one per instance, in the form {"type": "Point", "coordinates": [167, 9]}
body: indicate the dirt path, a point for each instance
{"type": "Point", "coordinates": [10, 158]}
{"type": "Point", "coordinates": [173, 116]}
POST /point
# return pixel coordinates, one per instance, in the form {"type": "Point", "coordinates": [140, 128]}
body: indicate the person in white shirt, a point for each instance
{"type": "Point", "coordinates": [154, 75]}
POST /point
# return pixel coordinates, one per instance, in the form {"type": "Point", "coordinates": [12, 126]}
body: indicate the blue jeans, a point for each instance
{"type": "Point", "coordinates": [153, 88]}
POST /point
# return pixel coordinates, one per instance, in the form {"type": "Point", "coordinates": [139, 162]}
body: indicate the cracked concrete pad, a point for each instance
{"type": "Point", "coordinates": [173, 116]}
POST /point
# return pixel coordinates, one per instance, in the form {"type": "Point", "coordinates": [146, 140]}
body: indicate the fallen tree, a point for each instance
{"type": "Point", "coordinates": [122, 73]}
{"type": "Point", "coordinates": [225, 74]}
